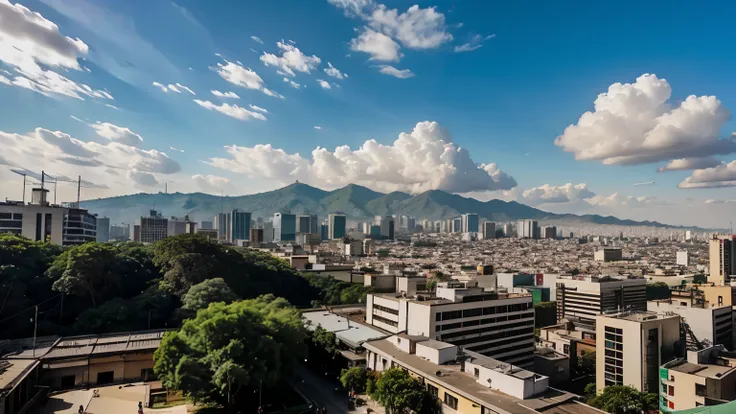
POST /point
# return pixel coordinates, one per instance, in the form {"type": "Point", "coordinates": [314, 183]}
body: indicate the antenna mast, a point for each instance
{"type": "Point", "coordinates": [79, 188]}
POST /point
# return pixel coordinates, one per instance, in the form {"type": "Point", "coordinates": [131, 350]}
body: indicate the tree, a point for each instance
{"type": "Point", "coordinates": [202, 294]}
{"type": "Point", "coordinates": [227, 348]}
{"type": "Point", "coordinates": [657, 291]}
{"type": "Point", "coordinates": [622, 399]}
{"type": "Point", "coordinates": [545, 314]}
{"type": "Point", "coordinates": [88, 270]}
{"type": "Point", "coordinates": [354, 379]}
{"type": "Point", "coordinates": [397, 391]}
{"type": "Point", "coordinates": [586, 364]}
{"type": "Point", "coordinates": [353, 294]}
{"type": "Point", "coordinates": [324, 340]}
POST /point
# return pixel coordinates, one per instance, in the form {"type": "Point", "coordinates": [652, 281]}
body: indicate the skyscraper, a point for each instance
{"type": "Point", "coordinates": [103, 229]}
{"type": "Point", "coordinates": [489, 230]}
{"type": "Point", "coordinates": [153, 228]}
{"type": "Point", "coordinates": [722, 258]}
{"type": "Point", "coordinates": [469, 223]}
{"type": "Point", "coordinates": [239, 226]}
{"type": "Point", "coordinates": [337, 223]}
{"type": "Point", "coordinates": [307, 223]}
{"type": "Point", "coordinates": [222, 223]}
{"type": "Point", "coordinates": [387, 227]}
{"type": "Point", "coordinates": [527, 229]}
{"type": "Point", "coordinates": [284, 227]}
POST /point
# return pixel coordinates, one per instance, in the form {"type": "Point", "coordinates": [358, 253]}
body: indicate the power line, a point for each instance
{"type": "Point", "coordinates": [27, 309]}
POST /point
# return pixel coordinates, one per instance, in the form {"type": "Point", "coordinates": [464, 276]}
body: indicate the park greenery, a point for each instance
{"type": "Point", "coordinates": [622, 399]}
{"type": "Point", "coordinates": [399, 392]}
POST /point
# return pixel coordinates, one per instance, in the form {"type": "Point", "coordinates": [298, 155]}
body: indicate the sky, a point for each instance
{"type": "Point", "coordinates": [622, 108]}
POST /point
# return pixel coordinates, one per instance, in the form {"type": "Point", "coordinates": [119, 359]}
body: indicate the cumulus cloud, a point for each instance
{"type": "Point", "coordinates": [233, 111]}
{"type": "Point", "coordinates": [377, 45]}
{"type": "Point", "coordinates": [291, 59]}
{"type": "Point", "coordinates": [258, 108]}
{"type": "Point", "coordinates": [556, 194]}
{"type": "Point", "coordinates": [244, 77]}
{"type": "Point", "coordinates": [397, 73]}
{"type": "Point", "coordinates": [257, 39]}
{"type": "Point", "coordinates": [476, 42]}
{"type": "Point", "coordinates": [118, 134]}
{"type": "Point", "coordinates": [722, 175]}
{"type": "Point", "coordinates": [210, 183]}
{"type": "Point", "coordinates": [637, 123]}
{"type": "Point", "coordinates": [292, 83]}
{"type": "Point", "coordinates": [29, 40]}
{"type": "Point", "coordinates": [334, 72]}
{"type": "Point", "coordinates": [324, 84]}
{"type": "Point", "coordinates": [689, 164]}
{"type": "Point", "coordinates": [228, 95]}
{"type": "Point", "coordinates": [142, 178]}
{"type": "Point", "coordinates": [422, 160]}
{"type": "Point", "coordinates": [620, 200]}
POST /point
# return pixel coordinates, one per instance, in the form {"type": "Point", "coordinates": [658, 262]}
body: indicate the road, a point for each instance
{"type": "Point", "coordinates": [322, 390]}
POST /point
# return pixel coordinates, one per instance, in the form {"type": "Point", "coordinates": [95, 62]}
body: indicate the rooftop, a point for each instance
{"type": "Point", "coordinates": [12, 372]}
{"type": "Point", "coordinates": [639, 316]}
{"type": "Point", "coordinates": [346, 330]}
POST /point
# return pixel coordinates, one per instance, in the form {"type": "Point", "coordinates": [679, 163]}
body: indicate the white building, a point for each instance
{"type": "Point", "coordinates": [103, 229]}
{"type": "Point", "coordinates": [584, 297]}
{"type": "Point", "coordinates": [682, 259]}
{"type": "Point", "coordinates": [527, 229]}
{"type": "Point", "coordinates": [500, 326]}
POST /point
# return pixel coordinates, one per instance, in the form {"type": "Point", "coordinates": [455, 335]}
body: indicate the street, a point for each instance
{"type": "Point", "coordinates": [322, 390]}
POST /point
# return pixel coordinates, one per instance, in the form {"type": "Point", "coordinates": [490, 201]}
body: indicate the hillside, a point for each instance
{"type": "Point", "coordinates": [353, 200]}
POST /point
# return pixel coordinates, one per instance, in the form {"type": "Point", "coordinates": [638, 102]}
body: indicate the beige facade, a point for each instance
{"type": "Point", "coordinates": [722, 253]}
{"type": "Point", "coordinates": [631, 346]}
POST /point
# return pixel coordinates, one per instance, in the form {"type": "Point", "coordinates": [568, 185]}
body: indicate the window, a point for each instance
{"type": "Point", "coordinates": [566, 349]}
{"type": "Point", "coordinates": [450, 401]}
{"type": "Point", "coordinates": [5, 216]}
{"type": "Point", "coordinates": [469, 313]}
{"type": "Point", "coordinates": [700, 390]}
{"type": "Point", "coordinates": [39, 218]}
{"type": "Point", "coordinates": [671, 391]}
{"type": "Point", "coordinates": [664, 388]}
{"type": "Point", "coordinates": [47, 226]}
{"type": "Point", "coordinates": [476, 372]}
{"type": "Point", "coordinates": [671, 405]}
{"type": "Point", "coordinates": [432, 390]}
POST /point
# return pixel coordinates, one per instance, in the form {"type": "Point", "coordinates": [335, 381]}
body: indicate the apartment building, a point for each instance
{"type": "Point", "coordinates": [492, 324]}
{"type": "Point", "coordinates": [631, 346]}
{"type": "Point", "coordinates": [704, 378]}
{"type": "Point", "coordinates": [608, 255]}
{"type": "Point", "coordinates": [153, 228]}
{"type": "Point", "coordinates": [582, 298]}
{"type": "Point", "coordinates": [468, 382]}
{"type": "Point", "coordinates": [722, 253]}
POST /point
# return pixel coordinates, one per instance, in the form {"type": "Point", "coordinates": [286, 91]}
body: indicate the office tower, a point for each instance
{"type": "Point", "coordinates": [136, 233]}
{"type": "Point", "coordinates": [324, 232]}
{"type": "Point", "coordinates": [240, 226]}
{"type": "Point", "coordinates": [337, 223]}
{"type": "Point", "coordinates": [256, 236]}
{"type": "Point", "coordinates": [468, 316]}
{"type": "Point", "coordinates": [457, 225]}
{"type": "Point", "coordinates": [631, 346]}
{"type": "Point", "coordinates": [284, 227]}
{"type": "Point", "coordinates": [412, 223]}
{"type": "Point", "coordinates": [79, 227]}
{"type": "Point", "coordinates": [682, 259]}
{"type": "Point", "coordinates": [120, 232]}
{"type": "Point", "coordinates": [438, 226]}
{"type": "Point", "coordinates": [403, 222]}
{"type": "Point", "coordinates": [307, 223]}
{"type": "Point", "coordinates": [222, 223]}
{"type": "Point", "coordinates": [722, 258]}
{"type": "Point", "coordinates": [154, 227]}
{"type": "Point", "coordinates": [268, 232]}
{"type": "Point", "coordinates": [469, 223]}
{"type": "Point", "coordinates": [549, 232]}
{"type": "Point", "coordinates": [527, 229]}
{"type": "Point", "coordinates": [584, 297]}
{"type": "Point", "coordinates": [688, 235]}
{"type": "Point", "coordinates": [206, 225]}
{"type": "Point", "coordinates": [180, 225]}
{"type": "Point", "coordinates": [608, 255]}
{"type": "Point", "coordinates": [387, 227]}
{"type": "Point", "coordinates": [427, 226]}
{"type": "Point", "coordinates": [489, 230]}
{"type": "Point", "coordinates": [103, 229]}
{"type": "Point", "coordinates": [508, 230]}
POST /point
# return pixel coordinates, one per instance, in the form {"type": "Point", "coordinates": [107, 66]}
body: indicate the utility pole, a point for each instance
{"type": "Point", "coordinates": [24, 189]}
{"type": "Point", "coordinates": [35, 330]}
{"type": "Point", "coordinates": [79, 188]}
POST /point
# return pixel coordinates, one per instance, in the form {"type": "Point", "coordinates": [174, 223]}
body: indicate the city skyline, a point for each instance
{"type": "Point", "coordinates": [481, 100]}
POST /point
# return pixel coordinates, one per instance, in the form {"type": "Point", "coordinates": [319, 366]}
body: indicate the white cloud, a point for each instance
{"type": "Point", "coordinates": [210, 183]}
{"type": "Point", "coordinates": [324, 84]}
{"type": "Point", "coordinates": [644, 183]}
{"type": "Point", "coordinates": [378, 45]}
{"type": "Point", "coordinates": [422, 160]}
{"type": "Point", "coordinates": [292, 83]}
{"type": "Point", "coordinates": [353, 7]}
{"type": "Point", "coordinates": [76, 119]}
{"type": "Point", "coordinates": [722, 175]}
{"type": "Point", "coordinates": [291, 59]}
{"type": "Point", "coordinates": [185, 88]}
{"type": "Point", "coordinates": [416, 28]}
{"type": "Point", "coordinates": [681, 164]}
{"type": "Point", "coordinates": [160, 86]}
{"type": "Point", "coordinates": [173, 88]}
{"type": "Point", "coordinates": [334, 72]}
{"type": "Point", "coordinates": [230, 95]}
{"type": "Point", "coordinates": [233, 111]}
{"type": "Point", "coordinates": [258, 108]}
{"type": "Point", "coordinates": [636, 124]}
{"type": "Point", "coordinates": [257, 39]}
{"type": "Point", "coordinates": [317, 127]}
{"type": "Point", "coordinates": [118, 134]}
{"type": "Point", "coordinates": [142, 178]}
{"type": "Point", "coordinates": [556, 194]}
{"type": "Point", "coordinates": [112, 106]}
{"type": "Point", "coordinates": [711, 201]}
{"type": "Point", "coordinates": [620, 200]}
{"type": "Point", "coordinates": [476, 42]}
{"type": "Point", "coordinates": [397, 73]}
{"type": "Point", "coordinates": [176, 149]}
{"type": "Point", "coordinates": [245, 77]}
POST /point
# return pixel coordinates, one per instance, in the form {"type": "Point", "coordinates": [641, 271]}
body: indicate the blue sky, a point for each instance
{"type": "Point", "coordinates": [539, 68]}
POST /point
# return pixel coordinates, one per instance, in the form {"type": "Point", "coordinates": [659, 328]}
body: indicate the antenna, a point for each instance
{"type": "Point", "coordinates": [79, 189]}
{"type": "Point", "coordinates": [166, 187]}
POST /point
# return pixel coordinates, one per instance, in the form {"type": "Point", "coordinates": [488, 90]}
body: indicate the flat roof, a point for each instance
{"type": "Point", "coordinates": [13, 371]}
{"type": "Point", "coordinates": [346, 330]}
{"type": "Point", "coordinates": [435, 344]}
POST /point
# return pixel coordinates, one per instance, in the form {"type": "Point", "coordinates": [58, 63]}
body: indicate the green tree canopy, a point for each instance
{"type": "Point", "coordinates": [226, 348]}
{"type": "Point", "coordinates": [657, 291]}
{"type": "Point", "coordinates": [622, 399]}
{"type": "Point", "coordinates": [89, 270]}
{"type": "Point", "coordinates": [202, 294]}
{"type": "Point", "coordinates": [354, 379]}
{"type": "Point", "coordinates": [398, 392]}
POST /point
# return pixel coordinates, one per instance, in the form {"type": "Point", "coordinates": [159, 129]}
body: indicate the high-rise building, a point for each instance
{"type": "Point", "coordinates": [403, 222]}
{"type": "Point", "coordinates": [284, 227]}
{"type": "Point", "coordinates": [412, 223]}
{"type": "Point", "coordinates": [120, 232]}
{"type": "Point", "coordinates": [469, 223]}
{"type": "Point", "coordinates": [222, 223]}
{"type": "Point", "coordinates": [337, 223]}
{"type": "Point", "coordinates": [496, 325]}
{"type": "Point", "coordinates": [256, 236]}
{"type": "Point", "coordinates": [608, 255]}
{"type": "Point", "coordinates": [427, 226]}
{"type": "Point", "coordinates": [550, 232]}
{"type": "Point", "coordinates": [688, 235]}
{"type": "Point", "coordinates": [136, 233]}
{"type": "Point", "coordinates": [180, 225]}
{"type": "Point", "coordinates": [307, 223]}
{"type": "Point", "coordinates": [489, 230]}
{"type": "Point", "coordinates": [154, 227]}
{"type": "Point", "coordinates": [682, 259]}
{"type": "Point", "coordinates": [103, 229]}
{"type": "Point", "coordinates": [508, 230]}
{"type": "Point", "coordinates": [722, 258]}
{"type": "Point", "coordinates": [584, 297]}
{"type": "Point", "coordinates": [631, 346]}
{"type": "Point", "coordinates": [206, 225]}
{"type": "Point", "coordinates": [527, 229]}
{"type": "Point", "coordinates": [268, 232]}
{"type": "Point", "coordinates": [79, 227]}
{"type": "Point", "coordinates": [324, 232]}
{"type": "Point", "coordinates": [240, 225]}
{"type": "Point", "coordinates": [387, 227]}
{"type": "Point", "coordinates": [457, 225]}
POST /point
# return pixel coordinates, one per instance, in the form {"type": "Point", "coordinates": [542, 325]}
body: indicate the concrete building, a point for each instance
{"type": "Point", "coordinates": [206, 225]}
{"type": "Point", "coordinates": [489, 230]}
{"type": "Point", "coordinates": [631, 346]}
{"type": "Point", "coordinates": [387, 227]}
{"type": "Point", "coordinates": [722, 252]}
{"type": "Point", "coordinates": [307, 223]}
{"type": "Point", "coordinates": [457, 225]}
{"type": "Point", "coordinates": [549, 232]}
{"type": "Point", "coordinates": [704, 378]}
{"type": "Point", "coordinates": [568, 339]}
{"type": "Point", "coordinates": [608, 255]}
{"type": "Point", "coordinates": [411, 224]}
{"type": "Point", "coordinates": [210, 234]}
{"type": "Point", "coordinates": [470, 223]}
{"type": "Point", "coordinates": [222, 223]}
{"type": "Point", "coordinates": [103, 229]}
{"type": "Point", "coordinates": [240, 225]}
{"type": "Point", "coordinates": [324, 232]}
{"type": "Point", "coordinates": [337, 223]}
{"type": "Point", "coordinates": [79, 227]}
{"type": "Point", "coordinates": [582, 298]}
{"type": "Point", "coordinates": [153, 228]}
{"type": "Point", "coordinates": [120, 232]}
{"type": "Point", "coordinates": [527, 229]}
{"type": "Point", "coordinates": [180, 225]}
{"type": "Point", "coordinates": [497, 325]}
{"type": "Point", "coordinates": [682, 259]}
{"type": "Point", "coordinates": [467, 382]}
{"type": "Point", "coordinates": [284, 227]}
{"type": "Point", "coordinates": [135, 233]}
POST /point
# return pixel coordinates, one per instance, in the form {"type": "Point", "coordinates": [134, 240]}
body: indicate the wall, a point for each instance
{"type": "Point", "coordinates": [684, 390]}
{"type": "Point", "coordinates": [420, 319]}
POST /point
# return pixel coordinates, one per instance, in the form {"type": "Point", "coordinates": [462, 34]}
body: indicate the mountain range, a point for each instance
{"type": "Point", "coordinates": [355, 201]}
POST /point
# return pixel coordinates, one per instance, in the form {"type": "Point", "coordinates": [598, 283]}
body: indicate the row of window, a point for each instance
{"type": "Point", "coordinates": [479, 348]}
{"type": "Point", "coordinates": [493, 336]}
{"type": "Point", "coordinates": [13, 224]}
{"type": "Point", "coordinates": [490, 310]}
{"type": "Point", "coordinates": [449, 399]}
{"type": "Point", "coordinates": [484, 321]}
{"type": "Point", "coordinates": [385, 309]}
{"type": "Point", "coordinates": [486, 330]}
{"type": "Point", "coordinates": [11, 216]}
{"type": "Point", "coordinates": [386, 321]}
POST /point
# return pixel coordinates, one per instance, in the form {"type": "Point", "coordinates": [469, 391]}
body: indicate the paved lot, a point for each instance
{"type": "Point", "coordinates": [112, 400]}
{"type": "Point", "coordinates": [322, 390]}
